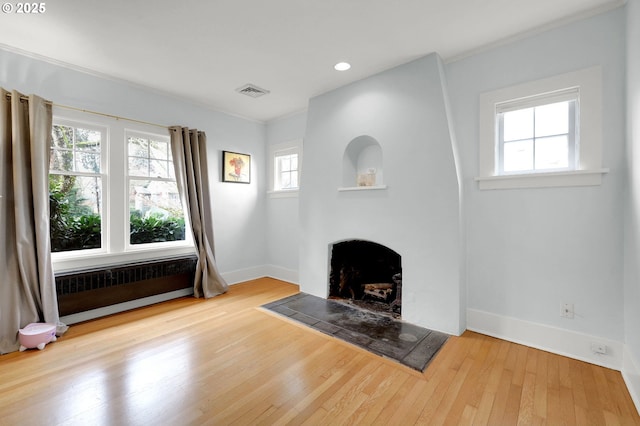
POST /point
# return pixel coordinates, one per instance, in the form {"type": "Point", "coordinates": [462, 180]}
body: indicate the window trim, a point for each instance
{"type": "Point", "coordinates": [115, 209]}
{"type": "Point", "coordinates": [588, 169]}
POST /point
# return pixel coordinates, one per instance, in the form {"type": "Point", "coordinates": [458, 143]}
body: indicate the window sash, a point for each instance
{"type": "Point", "coordinates": [570, 95]}
{"type": "Point", "coordinates": [289, 173]}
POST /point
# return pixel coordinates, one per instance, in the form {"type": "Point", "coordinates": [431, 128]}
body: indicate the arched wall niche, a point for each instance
{"type": "Point", "coordinates": [362, 163]}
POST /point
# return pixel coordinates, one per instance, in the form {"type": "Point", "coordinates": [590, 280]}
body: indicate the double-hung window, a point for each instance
{"type": "Point", "coordinates": [76, 197]}
{"type": "Point", "coordinates": [155, 209]}
{"type": "Point", "coordinates": [538, 134]}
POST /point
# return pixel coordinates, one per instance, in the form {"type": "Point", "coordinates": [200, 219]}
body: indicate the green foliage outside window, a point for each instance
{"type": "Point", "coordinates": [74, 226]}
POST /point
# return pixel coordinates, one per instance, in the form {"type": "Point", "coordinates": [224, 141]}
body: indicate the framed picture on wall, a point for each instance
{"type": "Point", "coordinates": [236, 167]}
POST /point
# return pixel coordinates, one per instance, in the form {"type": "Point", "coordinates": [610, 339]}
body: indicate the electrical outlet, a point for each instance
{"type": "Point", "coordinates": [567, 310]}
{"type": "Point", "coordinates": [598, 348]}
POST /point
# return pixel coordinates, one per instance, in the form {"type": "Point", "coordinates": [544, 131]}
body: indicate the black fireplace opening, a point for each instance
{"type": "Point", "coordinates": [368, 275]}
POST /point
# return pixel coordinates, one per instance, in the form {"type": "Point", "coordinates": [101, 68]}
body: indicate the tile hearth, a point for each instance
{"type": "Point", "coordinates": [405, 343]}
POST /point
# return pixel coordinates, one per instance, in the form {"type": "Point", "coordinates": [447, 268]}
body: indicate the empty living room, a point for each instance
{"type": "Point", "coordinates": [297, 212]}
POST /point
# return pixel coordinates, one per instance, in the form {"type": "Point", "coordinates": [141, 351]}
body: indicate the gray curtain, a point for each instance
{"type": "Point", "coordinates": [27, 284]}
{"type": "Point", "coordinates": [190, 159]}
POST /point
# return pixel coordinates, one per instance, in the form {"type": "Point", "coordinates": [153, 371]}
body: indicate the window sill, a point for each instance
{"type": "Point", "coordinates": [543, 180]}
{"type": "Point", "coordinates": [288, 193]}
{"type": "Point", "coordinates": [362, 188]}
{"type": "Point", "coordinates": [71, 261]}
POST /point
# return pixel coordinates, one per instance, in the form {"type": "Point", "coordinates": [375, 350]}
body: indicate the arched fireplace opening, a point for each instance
{"type": "Point", "coordinates": [366, 274]}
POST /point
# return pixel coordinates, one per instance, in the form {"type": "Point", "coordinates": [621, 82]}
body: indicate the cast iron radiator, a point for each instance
{"type": "Point", "coordinates": [87, 289]}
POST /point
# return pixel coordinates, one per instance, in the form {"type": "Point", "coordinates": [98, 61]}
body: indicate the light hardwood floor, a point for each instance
{"type": "Point", "coordinates": [225, 361]}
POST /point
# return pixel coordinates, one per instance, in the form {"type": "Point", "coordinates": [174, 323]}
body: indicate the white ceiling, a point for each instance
{"type": "Point", "coordinates": [203, 50]}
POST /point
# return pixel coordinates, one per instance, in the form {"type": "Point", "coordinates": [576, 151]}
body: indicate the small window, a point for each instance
{"type": "Point", "coordinates": [543, 133]}
{"type": "Point", "coordinates": [286, 172]}
{"type": "Point", "coordinates": [285, 168]}
{"type": "Point", "coordinates": [155, 207]}
{"type": "Point", "coordinates": [538, 135]}
{"type": "Point", "coordinates": [75, 187]}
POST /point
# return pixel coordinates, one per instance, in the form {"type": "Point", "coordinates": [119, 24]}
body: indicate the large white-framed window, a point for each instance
{"type": "Point", "coordinates": [543, 133]}
{"type": "Point", "coordinates": [155, 210]}
{"type": "Point", "coordinates": [130, 208]}
{"type": "Point", "coordinates": [77, 166]}
{"type": "Point", "coordinates": [285, 168]}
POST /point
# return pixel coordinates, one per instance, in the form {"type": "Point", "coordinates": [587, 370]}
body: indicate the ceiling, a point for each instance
{"type": "Point", "coordinates": [204, 50]}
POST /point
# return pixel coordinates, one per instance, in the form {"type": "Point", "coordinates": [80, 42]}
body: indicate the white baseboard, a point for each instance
{"type": "Point", "coordinates": [125, 306]}
{"type": "Point", "coordinates": [272, 271]}
{"type": "Point", "coordinates": [242, 275]}
{"type": "Point", "coordinates": [283, 274]}
{"type": "Point", "coordinates": [631, 376]}
{"type": "Point", "coordinates": [551, 339]}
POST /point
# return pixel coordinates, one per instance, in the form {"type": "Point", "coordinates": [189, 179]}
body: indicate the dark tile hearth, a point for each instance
{"type": "Point", "coordinates": [408, 344]}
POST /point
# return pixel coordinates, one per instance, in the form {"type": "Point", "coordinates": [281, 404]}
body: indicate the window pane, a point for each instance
{"type": "Point", "coordinates": [294, 162]}
{"type": "Point", "coordinates": [75, 205]}
{"type": "Point", "coordinates": [86, 162]}
{"type": "Point", "coordinates": [552, 152]}
{"type": "Point", "coordinates": [158, 168]}
{"type": "Point", "coordinates": [159, 150]}
{"type": "Point", "coordinates": [155, 212]}
{"type": "Point", "coordinates": [285, 180]}
{"type": "Point", "coordinates": [62, 137]}
{"type": "Point", "coordinates": [552, 119]}
{"type": "Point", "coordinates": [518, 124]}
{"type": "Point", "coordinates": [518, 156]}
{"type": "Point", "coordinates": [285, 163]}
{"type": "Point", "coordinates": [138, 166]}
{"type": "Point", "coordinates": [294, 179]}
{"type": "Point", "coordinates": [138, 147]}
{"type": "Point", "coordinates": [88, 140]}
{"type": "Point", "coordinates": [61, 160]}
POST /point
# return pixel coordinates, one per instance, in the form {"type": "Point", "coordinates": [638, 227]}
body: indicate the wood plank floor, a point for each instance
{"type": "Point", "coordinates": [224, 361]}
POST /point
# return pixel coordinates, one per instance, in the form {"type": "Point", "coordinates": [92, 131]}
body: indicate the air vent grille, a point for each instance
{"type": "Point", "coordinates": [252, 90]}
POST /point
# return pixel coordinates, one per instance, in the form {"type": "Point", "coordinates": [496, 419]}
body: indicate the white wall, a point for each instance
{"type": "Point", "coordinates": [417, 216]}
{"type": "Point", "coordinates": [283, 231]}
{"type": "Point", "coordinates": [239, 221]}
{"type": "Point", "coordinates": [530, 250]}
{"type": "Point", "coordinates": [631, 368]}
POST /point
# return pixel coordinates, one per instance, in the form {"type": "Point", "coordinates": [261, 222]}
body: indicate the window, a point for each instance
{"type": "Point", "coordinates": [155, 208]}
{"type": "Point", "coordinates": [543, 133]}
{"type": "Point", "coordinates": [538, 135]}
{"type": "Point", "coordinates": [113, 194]}
{"type": "Point", "coordinates": [75, 186]}
{"type": "Point", "coordinates": [284, 171]}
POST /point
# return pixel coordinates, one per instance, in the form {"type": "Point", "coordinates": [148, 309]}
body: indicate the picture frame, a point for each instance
{"type": "Point", "coordinates": [236, 167]}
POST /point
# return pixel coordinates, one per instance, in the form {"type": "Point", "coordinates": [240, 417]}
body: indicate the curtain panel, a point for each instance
{"type": "Point", "coordinates": [27, 282]}
{"type": "Point", "coordinates": [190, 160]}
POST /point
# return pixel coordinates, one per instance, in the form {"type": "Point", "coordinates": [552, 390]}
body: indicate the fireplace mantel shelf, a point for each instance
{"type": "Point", "coordinates": [362, 188]}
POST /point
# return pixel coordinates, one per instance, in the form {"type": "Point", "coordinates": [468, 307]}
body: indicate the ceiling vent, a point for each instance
{"type": "Point", "coordinates": [252, 90]}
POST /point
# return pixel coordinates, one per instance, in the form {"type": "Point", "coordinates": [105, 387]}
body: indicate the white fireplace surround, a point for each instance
{"type": "Point", "coordinates": [395, 122]}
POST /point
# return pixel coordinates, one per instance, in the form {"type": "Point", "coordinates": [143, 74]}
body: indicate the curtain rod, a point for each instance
{"type": "Point", "coordinates": [115, 117]}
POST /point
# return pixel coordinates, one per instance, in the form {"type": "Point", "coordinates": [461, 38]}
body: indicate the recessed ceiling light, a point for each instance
{"type": "Point", "coordinates": [342, 66]}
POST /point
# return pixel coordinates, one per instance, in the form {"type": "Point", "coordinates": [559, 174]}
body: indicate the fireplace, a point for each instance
{"type": "Point", "coordinates": [366, 274]}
